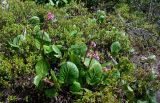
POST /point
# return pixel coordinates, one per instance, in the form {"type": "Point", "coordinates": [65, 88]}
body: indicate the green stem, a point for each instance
{"type": "Point", "coordinates": [90, 62]}
{"type": "Point", "coordinates": [42, 41]}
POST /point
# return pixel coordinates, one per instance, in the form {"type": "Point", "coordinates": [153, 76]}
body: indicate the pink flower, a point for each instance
{"type": "Point", "coordinates": [93, 44]}
{"type": "Point", "coordinates": [50, 16]}
{"type": "Point", "coordinates": [96, 56]}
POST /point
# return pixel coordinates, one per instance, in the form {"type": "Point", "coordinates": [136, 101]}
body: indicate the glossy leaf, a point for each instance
{"type": "Point", "coordinates": [42, 35]}
{"type": "Point", "coordinates": [76, 87]}
{"type": "Point", "coordinates": [17, 41]}
{"type": "Point", "coordinates": [37, 44]}
{"type": "Point", "coordinates": [94, 74]}
{"type": "Point", "coordinates": [34, 20]}
{"type": "Point", "coordinates": [36, 29]}
{"type": "Point", "coordinates": [52, 48]}
{"type": "Point", "coordinates": [42, 67]}
{"type": "Point", "coordinates": [68, 73]}
{"type": "Point", "coordinates": [115, 74]}
{"type": "Point", "coordinates": [79, 49]}
{"type": "Point", "coordinates": [87, 61]}
{"type": "Point", "coordinates": [47, 49]}
{"type": "Point", "coordinates": [57, 51]}
{"type": "Point", "coordinates": [37, 79]}
{"type": "Point", "coordinates": [115, 47]}
{"type": "Point", "coordinates": [75, 59]}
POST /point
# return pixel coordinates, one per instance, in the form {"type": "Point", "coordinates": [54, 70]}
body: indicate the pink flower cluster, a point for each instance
{"type": "Point", "coordinates": [93, 44]}
{"type": "Point", "coordinates": [50, 16]}
{"type": "Point", "coordinates": [96, 56]}
{"type": "Point", "coordinates": [93, 54]}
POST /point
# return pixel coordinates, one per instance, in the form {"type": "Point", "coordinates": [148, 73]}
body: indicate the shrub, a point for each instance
{"type": "Point", "coordinates": [64, 50]}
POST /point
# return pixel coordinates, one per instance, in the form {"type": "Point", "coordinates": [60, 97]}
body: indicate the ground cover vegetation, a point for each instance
{"type": "Point", "coordinates": [89, 51]}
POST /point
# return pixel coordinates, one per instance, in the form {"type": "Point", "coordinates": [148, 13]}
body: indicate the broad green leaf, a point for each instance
{"type": "Point", "coordinates": [115, 47]}
{"type": "Point", "coordinates": [17, 41]}
{"type": "Point", "coordinates": [42, 67]}
{"type": "Point", "coordinates": [68, 73]}
{"type": "Point", "coordinates": [47, 49]}
{"type": "Point", "coordinates": [37, 44]}
{"type": "Point", "coordinates": [42, 35]}
{"type": "Point", "coordinates": [75, 59]}
{"type": "Point", "coordinates": [94, 74]}
{"type": "Point", "coordinates": [78, 49]}
{"type": "Point", "coordinates": [36, 29]}
{"type": "Point", "coordinates": [51, 92]}
{"type": "Point", "coordinates": [13, 45]}
{"type": "Point", "coordinates": [37, 79]}
{"type": "Point", "coordinates": [57, 51]}
{"type": "Point", "coordinates": [52, 48]}
{"type": "Point", "coordinates": [76, 87]}
{"type": "Point", "coordinates": [115, 74]}
{"type": "Point", "coordinates": [34, 20]}
{"type": "Point", "coordinates": [88, 60]}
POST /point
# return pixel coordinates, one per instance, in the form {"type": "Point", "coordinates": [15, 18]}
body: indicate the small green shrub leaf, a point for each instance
{"type": "Point", "coordinates": [68, 73]}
